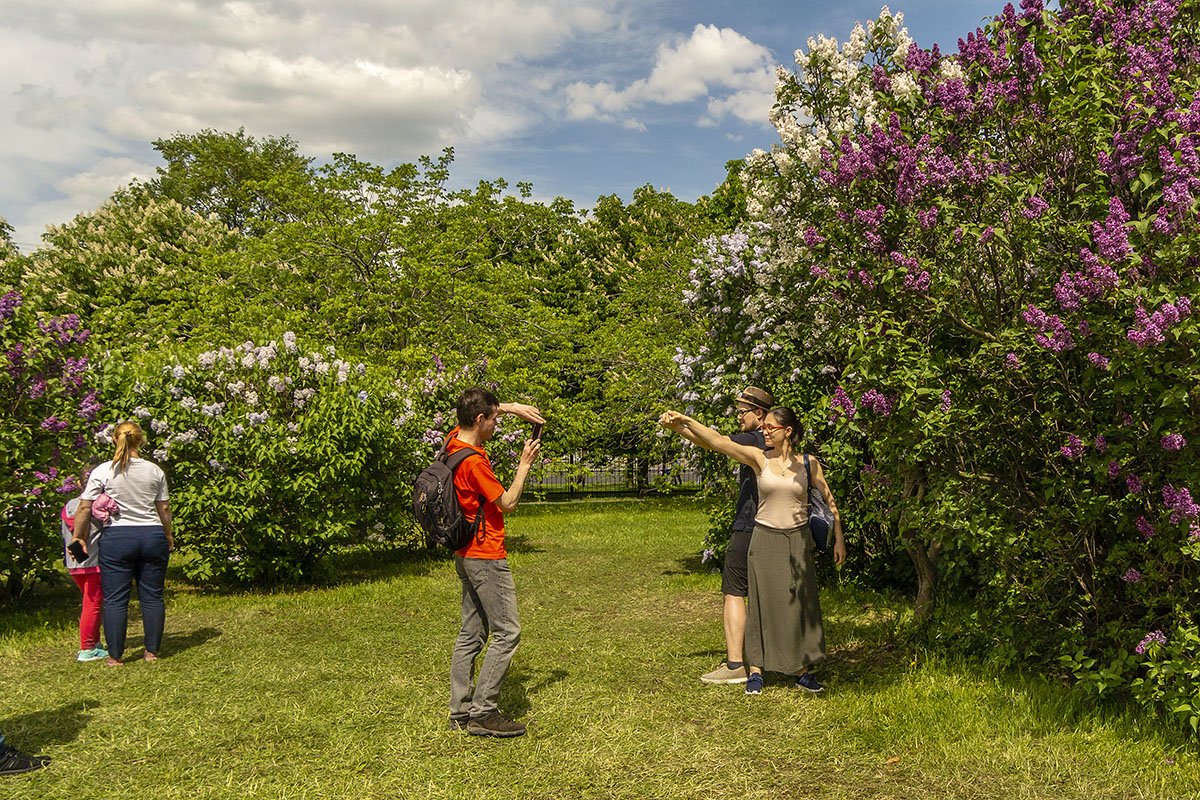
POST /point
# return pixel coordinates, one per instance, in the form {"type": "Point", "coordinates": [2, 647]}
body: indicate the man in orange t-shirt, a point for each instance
{"type": "Point", "coordinates": [489, 596]}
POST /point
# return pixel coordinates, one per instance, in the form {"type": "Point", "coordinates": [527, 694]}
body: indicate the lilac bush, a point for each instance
{"type": "Point", "coordinates": [277, 454]}
{"type": "Point", "coordinates": [1013, 226]}
{"type": "Point", "coordinates": [48, 407]}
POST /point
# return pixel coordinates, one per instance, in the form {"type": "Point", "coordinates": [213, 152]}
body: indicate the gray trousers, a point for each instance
{"type": "Point", "coordinates": [489, 607]}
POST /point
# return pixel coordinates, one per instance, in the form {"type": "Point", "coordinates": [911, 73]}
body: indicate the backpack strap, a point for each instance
{"type": "Point", "coordinates": [454, 462]}
{"type": "Point", "coordinates": [807, 474]}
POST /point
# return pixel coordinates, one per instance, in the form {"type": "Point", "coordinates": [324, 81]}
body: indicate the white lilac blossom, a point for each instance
{"type": "Point", "coordinates": [212, 409]}
{"type": "Point", "coordinates": [141, 412]}
{"type": "Point", "coordinates": [158, 426]}
{"type": "Point", "coordinates": [289, 341]}
{"type": "Point", "coordinates": [238, 430]}
{"type": "Point", "coordinates": [257, 418]}
{"type": "Point", "coordinates": [189, 403]}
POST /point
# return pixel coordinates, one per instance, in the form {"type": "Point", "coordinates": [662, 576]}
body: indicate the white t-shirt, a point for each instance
{"type": "Point", "coordinates": [135, 489]}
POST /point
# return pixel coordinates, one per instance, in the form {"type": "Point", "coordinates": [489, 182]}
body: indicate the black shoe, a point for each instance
{"type": "Point", "coordinates": [458, 723]}
{"type": "Point", "coordinates": [14, 762]}
{"type": "Point", "coordinates": [494, 724]}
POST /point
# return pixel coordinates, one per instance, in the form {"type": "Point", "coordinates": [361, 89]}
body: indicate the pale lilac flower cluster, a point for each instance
{"type": "Point", "coordinates": [159, 426]}
{"type": "Point", "coordinates": [186, 437]}
{"type": "Point", "coordinates": [212, 409]}
{"type": "Point", "coordinates": [1179, 501]}
{"type": "Point", "coordinates": [238, 430]}
{"type": "Point", "coordinates": [289, 341]}
{"type": "Point", "coordinates": [257, 418]}
{"type": "Point", "coordinates": [1098, 360]}
{"type": "Point", "coordinates": [1151, 639]}
{"type": "Point", "coordinates": [301, 397]}
{"type": "Point", "coordinates": [1150, 329]}
{"type": "Point", "coordinates": [1012, 362]}
{"type": "Point", "coordinates": [1053, 334]}
{"type": "Point", "coordinates": [1073, 448]}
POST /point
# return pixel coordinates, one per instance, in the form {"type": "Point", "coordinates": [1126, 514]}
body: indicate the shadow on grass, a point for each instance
{"type": "Point", "coordinates": [521, 684]}
{"type": "Point", "coordinates": [691, 564]}
{"type": "Point", "coordinates": [54, 727]}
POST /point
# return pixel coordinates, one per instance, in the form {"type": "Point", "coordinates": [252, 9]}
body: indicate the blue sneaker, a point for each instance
{"type": "Point", "coordinates": [809, 683]}
{"type": "Point", "coordinates": [754, 683]}
{"type": "Point", "coordinates": [95, 654]}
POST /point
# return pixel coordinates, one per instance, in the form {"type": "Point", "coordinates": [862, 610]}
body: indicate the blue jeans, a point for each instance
{"type": "Point", "coordinates": [489, 608]}
{"type": "Point", "coordinates": [133, 553]}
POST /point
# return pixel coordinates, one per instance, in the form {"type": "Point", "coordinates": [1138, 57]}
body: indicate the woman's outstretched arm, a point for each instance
{"type": "Point", "coordinates": [711, 439]}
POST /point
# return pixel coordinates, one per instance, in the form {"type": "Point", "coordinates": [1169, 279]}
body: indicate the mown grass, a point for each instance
{"type": "Point", "coordinates": [341, 692]}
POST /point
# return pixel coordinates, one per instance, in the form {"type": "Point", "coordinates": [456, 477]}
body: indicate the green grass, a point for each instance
{"type": "Point", "coordinates": [342, 691]}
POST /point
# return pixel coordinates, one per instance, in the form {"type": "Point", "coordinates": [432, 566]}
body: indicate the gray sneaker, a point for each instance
{"type": "Point", "coordinates": [723, 674]}
{"type": "Point", "coordinates": [494, 724]}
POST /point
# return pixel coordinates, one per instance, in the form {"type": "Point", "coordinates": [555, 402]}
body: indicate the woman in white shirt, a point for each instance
{"type": "Point", "coordinates": [136, 542]}
{"type": "Point", "coordinates": [784, 630]}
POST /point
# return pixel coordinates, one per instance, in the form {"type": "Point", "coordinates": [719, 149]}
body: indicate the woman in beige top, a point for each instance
{"type": "Point", "coordinates": [784, 632]}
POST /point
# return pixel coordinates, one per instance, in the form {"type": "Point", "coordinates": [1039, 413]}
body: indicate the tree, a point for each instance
{"type": "Point", "coordinates": [224, 174]}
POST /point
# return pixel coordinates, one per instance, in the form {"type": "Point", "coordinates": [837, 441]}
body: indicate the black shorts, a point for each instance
{"type": "Point", "coordinates": [734, 578]}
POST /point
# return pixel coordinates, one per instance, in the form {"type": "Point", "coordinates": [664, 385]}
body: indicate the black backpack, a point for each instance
{"type": "Point", "coordinates": [436, 506]}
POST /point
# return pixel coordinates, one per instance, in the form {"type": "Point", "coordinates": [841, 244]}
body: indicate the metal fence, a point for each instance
{"type": "Point", "coordinates": [573, 476]}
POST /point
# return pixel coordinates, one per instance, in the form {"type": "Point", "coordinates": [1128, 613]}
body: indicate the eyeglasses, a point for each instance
{"type": "Point", "coordinates": [741, 412]}
{"type": "Point", "coordinates": [765, 428]}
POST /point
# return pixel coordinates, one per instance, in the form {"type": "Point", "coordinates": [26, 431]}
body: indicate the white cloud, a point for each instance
{"type": "Point", "coordinates": [713, 61]}
{"type": "Point", "coordinates": [364, 107]}
{"type": "Point", "coordinates": [78, 193]}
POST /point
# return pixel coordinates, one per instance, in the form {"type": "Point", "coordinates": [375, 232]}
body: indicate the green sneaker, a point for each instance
{"type": "Point", "coordinates": [95, 654]}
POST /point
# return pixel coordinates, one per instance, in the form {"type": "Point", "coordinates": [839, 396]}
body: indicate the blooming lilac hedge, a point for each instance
{"type": "Point", "coordinates": [975, 273]}
{"type": "Point", "coordinates": [276, 454]}
{"type": "Point", "coordinates": [47, 409]}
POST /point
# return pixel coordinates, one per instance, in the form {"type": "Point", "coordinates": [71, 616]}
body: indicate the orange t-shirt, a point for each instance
{"type": "Point", "coordinates": [473, 478]}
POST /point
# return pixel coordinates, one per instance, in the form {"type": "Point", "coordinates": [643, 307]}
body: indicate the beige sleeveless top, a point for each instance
{"type": "Point", "coordinates": [782, 499]}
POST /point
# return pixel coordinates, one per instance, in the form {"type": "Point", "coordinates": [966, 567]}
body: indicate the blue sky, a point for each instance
{"type": "Point", "coordinates": [581, 97]}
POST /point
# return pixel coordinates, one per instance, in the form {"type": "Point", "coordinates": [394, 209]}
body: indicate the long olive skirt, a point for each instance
{"type": "Point", "coordinates": [783, 625]}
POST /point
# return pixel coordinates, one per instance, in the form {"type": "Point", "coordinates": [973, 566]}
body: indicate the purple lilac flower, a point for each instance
{"type": "Point", "coordinates": [1114, 469]}
{"type": "Point", "coordinates": [842, 404]}
{"type": "Point", "coordinates": [1133, 483]}
{"type": "Point", "coordinates": [1098, 360]}
{"type": "Point", "coordinates": [878, 402]}
{"type": "Point", "coordinates": [1054, 335]}
{"type": "Point", "coordinates": [9, 302]}
{"type": "Point", "coordinates": [1034, 207]}
{"type": "Point", "coordinates": [1144, 527]}
{"type": "Point", "coordinates": [945, 406]}
{"type": "Point", "coordinates": [89, 406]}
{"type": "Point", "coordinates": [1180, 502]}
{"type": "Point", "coordinates": [1150, 329]}
{"type": "Point", "coordinates": [928, 217]}
{"type": "Point", "coordinates": [1153, 638]}
{"type": "Point", "coordinates": [1173, 442]}
{"type": "Point", "coordinates": [1131, 576]}
{"type": "Point", "coordinates": [53, 424]}
{"type": "Point", "coordinates": [1101, 444]}
{"type": "Point", "coordinates": [1011, 361]}
{"type": "Point", "coordinates": [1073, 448]}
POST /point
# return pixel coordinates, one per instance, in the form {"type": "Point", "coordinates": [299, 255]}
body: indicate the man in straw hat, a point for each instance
{"type": "Point", "coordinates": [752, 408]}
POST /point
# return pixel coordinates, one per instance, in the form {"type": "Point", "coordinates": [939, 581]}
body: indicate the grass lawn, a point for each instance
{"type": "Point", "coordinates": [342, 692]}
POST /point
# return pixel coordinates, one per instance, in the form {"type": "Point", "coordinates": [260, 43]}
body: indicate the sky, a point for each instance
{"type": "Point", "coordinates": [583, 98]}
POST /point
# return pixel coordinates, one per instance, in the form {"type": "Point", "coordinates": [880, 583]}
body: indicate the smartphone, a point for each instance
{"type": "Point", "coordinates": [76, 550]}
{"type": "Point", "coordinates": [537, 431]}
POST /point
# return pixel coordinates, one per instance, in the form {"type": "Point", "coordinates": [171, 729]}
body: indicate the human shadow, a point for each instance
{"type": "Point", "coordinates": [54, 727]}
{"type": "Point", "coordinates": [692, 564]}
{"type": "Point", "coordinates": [174, 643]}
{"type": "Point", "coordinates": [521, 684]}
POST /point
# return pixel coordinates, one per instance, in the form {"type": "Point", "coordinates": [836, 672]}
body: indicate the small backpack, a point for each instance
{"type": "Point", "coordinates": [436, 506]}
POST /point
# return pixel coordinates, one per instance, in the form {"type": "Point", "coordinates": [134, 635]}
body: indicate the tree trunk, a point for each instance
{"type": "Point", "coordinates": [924, 558]}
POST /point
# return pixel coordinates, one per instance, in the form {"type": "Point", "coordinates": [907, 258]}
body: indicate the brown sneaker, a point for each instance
{"type": "Point", "coordinates": [723, 674]}
{"type": "Point", "coordinates": [494, 724]}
